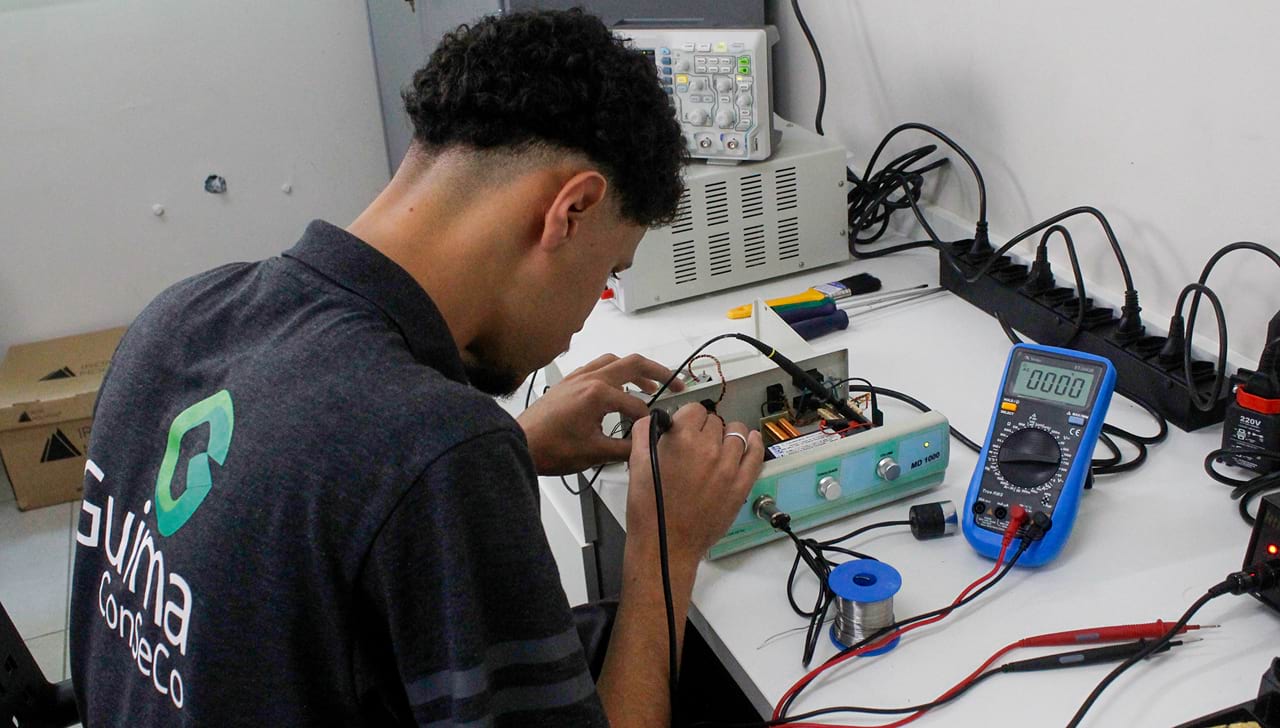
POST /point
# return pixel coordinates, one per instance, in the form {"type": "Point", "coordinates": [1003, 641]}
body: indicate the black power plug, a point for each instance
{"type": "Point", "coordinates": [1040, 277]}
{"type": "Point", "coordinates": [1170, 356]}
{"type": "Point", "coordinates": [1130, 328]}
{"type": "Point", "coordinates": [980, 248]}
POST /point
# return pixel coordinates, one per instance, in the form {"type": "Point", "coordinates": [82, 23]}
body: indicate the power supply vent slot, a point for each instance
{"type": "Point", "coordinates": [684, 261]}
{"type": "Point", "coordinates": [721, 254]}
{"type": "Point", "coordinates": [717, 203]}
{"type": "Point", "coordinates": [788, 238]}
{"type": "Point", "coordinates": [752, 187]}
{"type": "Point", "coordinates": [754, 250]}
{"type": "Point", "coordinates": [684, 214]}
{"type": "Point", "coordinates": [784, 187]}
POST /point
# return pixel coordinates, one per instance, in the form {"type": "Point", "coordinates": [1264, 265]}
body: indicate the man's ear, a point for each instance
{"type": "Point", "coordinates": [579, 195]}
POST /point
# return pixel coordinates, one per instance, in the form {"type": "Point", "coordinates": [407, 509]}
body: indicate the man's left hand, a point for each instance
{"type": "Point", "coordinates": [564, 426]}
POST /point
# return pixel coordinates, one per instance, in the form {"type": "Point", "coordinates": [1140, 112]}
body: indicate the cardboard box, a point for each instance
{"type": "Point", "coordinates": [47, 392]}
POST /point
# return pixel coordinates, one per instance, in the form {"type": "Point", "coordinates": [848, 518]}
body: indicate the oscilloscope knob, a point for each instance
{"type": "Point", "coordinates": [1028, 458]}
{"type": "Point", "coordinates": [698, 117]}
{"type": "Point", "coordinates": [724, 84]}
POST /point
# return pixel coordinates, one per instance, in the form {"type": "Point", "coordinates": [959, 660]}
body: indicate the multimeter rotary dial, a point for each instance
{"type": "Point", "coordinates": [1029, 458]}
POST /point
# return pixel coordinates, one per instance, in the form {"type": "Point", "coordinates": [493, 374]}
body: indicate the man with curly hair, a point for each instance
{"type": "Point", "coordinates": [302, 505]}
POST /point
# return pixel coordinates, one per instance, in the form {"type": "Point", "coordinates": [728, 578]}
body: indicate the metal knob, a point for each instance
{"type": "Point", "coordinates": [829, 488]}
{"type": "Point", "coordinates": [888, 468]}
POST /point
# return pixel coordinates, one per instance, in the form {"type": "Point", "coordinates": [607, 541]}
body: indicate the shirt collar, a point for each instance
{"type": "Point", "coordinates": [358, 267]}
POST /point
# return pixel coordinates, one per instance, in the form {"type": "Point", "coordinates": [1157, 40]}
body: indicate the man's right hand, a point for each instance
{"type": "Point", "coordinates": [706, 476]}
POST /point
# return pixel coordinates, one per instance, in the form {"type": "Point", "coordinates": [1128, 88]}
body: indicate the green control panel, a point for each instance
{"type": "Point", "coordinates": [844, 477]}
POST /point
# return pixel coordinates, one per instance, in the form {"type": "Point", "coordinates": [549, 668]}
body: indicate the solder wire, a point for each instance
{"type": "Point", "coordinates": [856, 621]}
{"type": "Point", "coordinates": [862, 592]}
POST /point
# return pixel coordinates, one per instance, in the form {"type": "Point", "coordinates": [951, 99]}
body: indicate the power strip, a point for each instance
{"type": "Point", "coordinates": [1049, 317]}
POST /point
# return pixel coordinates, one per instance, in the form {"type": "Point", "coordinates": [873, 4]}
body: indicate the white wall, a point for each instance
{"type": "Point", "coordinates": [108, 107]}
{"type": "Point", "coordinates": [1163, 113]}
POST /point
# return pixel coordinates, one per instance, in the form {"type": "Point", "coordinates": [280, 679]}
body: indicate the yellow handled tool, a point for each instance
{"type": "Point", "coordinates": [742, 312]}
{"type": "Point", "coordinates": [855, 285]}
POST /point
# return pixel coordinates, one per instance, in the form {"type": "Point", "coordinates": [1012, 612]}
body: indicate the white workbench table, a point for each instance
{"type": "Point", "coordinates": [1145, 544]}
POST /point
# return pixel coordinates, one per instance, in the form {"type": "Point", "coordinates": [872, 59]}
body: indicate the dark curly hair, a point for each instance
{"type": "Point", "coordinates": [558, 78]}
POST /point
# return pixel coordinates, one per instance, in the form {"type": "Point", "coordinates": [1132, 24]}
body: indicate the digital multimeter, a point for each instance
{"type": "Point", "coordinates": [1037, 454]}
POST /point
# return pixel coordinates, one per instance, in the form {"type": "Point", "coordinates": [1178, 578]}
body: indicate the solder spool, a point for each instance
{"type": "Point", "coordinates": [864, 591]}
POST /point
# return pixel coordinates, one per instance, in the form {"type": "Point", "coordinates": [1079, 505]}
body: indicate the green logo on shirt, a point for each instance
{"type": "Point", "coordinates": [172, 513]}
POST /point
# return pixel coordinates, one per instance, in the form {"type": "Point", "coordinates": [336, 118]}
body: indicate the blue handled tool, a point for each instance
{"type": "Point", "coordinates": [796, 315]}
{"type": "Point", "coordinates": [1047, 419]}
{"type": "Point", "coordinates": [812, 328]}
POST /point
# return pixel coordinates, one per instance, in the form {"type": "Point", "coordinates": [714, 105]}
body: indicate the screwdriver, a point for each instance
{"type": "Point", "coordinates": [815, 322]}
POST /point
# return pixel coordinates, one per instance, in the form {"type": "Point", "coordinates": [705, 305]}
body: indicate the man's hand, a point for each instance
{"type": "Point", "coordinates": [563, 426]}
{"type": "Point", "coordinates": [707, 473]}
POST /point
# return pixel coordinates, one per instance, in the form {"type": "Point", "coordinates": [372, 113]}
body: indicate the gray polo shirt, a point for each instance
{"type": "Point", "coordinates": [298, 512]}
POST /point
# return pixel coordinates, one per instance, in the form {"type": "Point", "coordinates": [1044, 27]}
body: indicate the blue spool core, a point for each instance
{"type": "Point", "coordinates": [864, 580]}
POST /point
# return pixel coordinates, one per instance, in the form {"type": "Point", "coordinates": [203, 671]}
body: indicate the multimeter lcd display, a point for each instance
{"type": "Point", "coordinates": [1054, 384]}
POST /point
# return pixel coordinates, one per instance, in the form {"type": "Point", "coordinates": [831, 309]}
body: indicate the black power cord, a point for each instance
{"type": "Point", "coordinates": [1245, 489]}
{"type": "Point", "coordinates": [659, 423]}
{"type": "Point", "coordinates": [871, 204]}
{"type": "Point", "coordinates": [1178, 345]}
{"type": "Point", "coordinates": [869, 199]}
{"type": "Point", "coordinates": [1196, 298]}
{"type": "Point", "coordinates": [1256, 578]}
{"type": "Point", "coordinates": [817, 59]}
